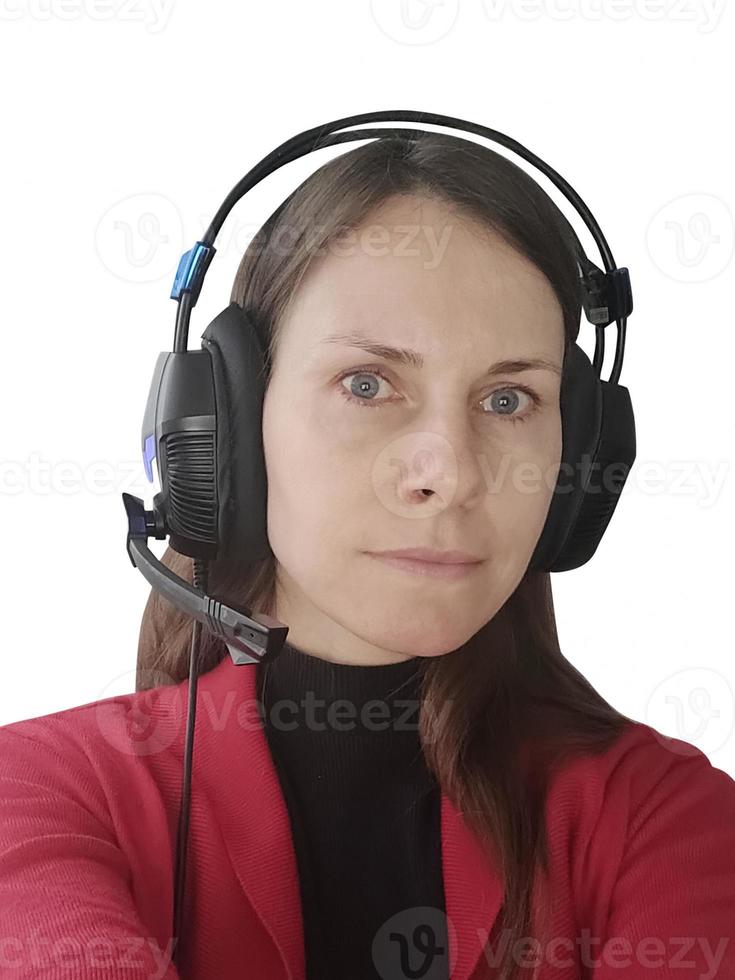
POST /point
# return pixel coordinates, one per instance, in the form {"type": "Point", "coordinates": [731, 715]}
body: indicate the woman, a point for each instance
{"type": "Point", "coordinates": [495, 815]}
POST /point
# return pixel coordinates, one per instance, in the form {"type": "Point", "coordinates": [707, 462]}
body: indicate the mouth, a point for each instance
{"type": "Point", "coordinates": [429, 569]}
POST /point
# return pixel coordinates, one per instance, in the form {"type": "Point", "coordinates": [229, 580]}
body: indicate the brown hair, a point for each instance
{"type": "Point", "coordinates": [519, 708]}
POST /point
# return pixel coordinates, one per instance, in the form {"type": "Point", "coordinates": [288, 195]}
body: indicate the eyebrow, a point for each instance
{"type": "Point", "coordinates": [412, 358]}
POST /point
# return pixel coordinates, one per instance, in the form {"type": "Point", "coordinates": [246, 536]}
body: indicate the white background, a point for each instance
{"type": "Point", "coordinates": [126, 122]}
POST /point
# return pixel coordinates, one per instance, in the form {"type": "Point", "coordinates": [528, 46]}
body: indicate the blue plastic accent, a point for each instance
{"type": "Point", "coordinates": [149, 454]}
{"type": "Point", "coordinates": [190, 272]}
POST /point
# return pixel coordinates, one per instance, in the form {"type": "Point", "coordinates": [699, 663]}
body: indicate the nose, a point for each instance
{"type": "Point", "coordinates": [442, 466]}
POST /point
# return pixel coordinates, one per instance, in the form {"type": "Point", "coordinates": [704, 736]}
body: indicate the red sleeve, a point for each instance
{"type": "Point", "coordinates": [672, 909]}
{"type": "Point", "coordinates": [66, 909]}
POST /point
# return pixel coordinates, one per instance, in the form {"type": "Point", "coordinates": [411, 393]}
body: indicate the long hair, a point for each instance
{"type": "Point", "coordinates": [517, 707]}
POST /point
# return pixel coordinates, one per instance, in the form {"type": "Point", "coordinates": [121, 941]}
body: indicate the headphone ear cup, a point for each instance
{"type": "Point", "coordinates": [238, 370]}
{"type": "Point", "coordinates": [598, 450]}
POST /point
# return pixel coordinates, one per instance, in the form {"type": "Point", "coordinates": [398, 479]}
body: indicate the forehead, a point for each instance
{"type": "Point", "coordinates": [416, 273]}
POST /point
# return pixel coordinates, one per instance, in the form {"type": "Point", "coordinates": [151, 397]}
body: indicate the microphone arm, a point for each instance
{"type": "Point", "coordinates": [249, 638]}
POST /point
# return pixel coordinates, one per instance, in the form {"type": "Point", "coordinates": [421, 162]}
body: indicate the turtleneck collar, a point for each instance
{"type": "Point", "coordinates": [326, 700]}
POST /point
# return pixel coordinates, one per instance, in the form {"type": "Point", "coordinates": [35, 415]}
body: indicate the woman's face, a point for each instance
{"type": "Point", "coordinates": [345, 475]}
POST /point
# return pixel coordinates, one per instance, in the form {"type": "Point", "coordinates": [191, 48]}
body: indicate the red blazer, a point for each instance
{"type": "Point", "coordinates": [642, 851]}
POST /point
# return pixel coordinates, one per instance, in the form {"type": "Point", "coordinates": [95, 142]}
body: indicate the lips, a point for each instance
{"type": "Point", "coordinates": [429, 569]}
{"type": "Point", "coordinates": [431, 555]}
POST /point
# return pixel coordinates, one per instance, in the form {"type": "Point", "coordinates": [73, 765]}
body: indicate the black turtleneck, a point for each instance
{"type": "Point", "coordinates": [364, 812]}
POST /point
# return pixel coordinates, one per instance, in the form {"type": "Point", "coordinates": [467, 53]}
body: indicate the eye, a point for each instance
{"type": "Point", "coordinates": [368, 388]}
{"type": "Point", "coordinates": [505, 397]}
{"type": "Point", "coordinates": [364, 386]}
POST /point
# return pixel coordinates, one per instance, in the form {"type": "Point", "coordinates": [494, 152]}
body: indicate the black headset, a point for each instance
{"type": "Point", "coordinates": [203, 425]}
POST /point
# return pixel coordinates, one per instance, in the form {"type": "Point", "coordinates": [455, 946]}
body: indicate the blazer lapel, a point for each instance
{"type": "Point", "coordinates": [235, 768]}
{"type": "Point", "coordinates": [473, 891]}
{"type": "Point", "coordinates": [232, 764]}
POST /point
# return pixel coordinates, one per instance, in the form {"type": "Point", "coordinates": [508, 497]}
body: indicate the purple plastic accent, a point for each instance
{"type": "Point", "coordinates": [149, 454]}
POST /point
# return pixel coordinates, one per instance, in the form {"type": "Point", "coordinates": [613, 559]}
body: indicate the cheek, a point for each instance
{"type": "Point", "coordinates": [520, 480]}
{"type": "Point", "coordinates": [309, 476]}
{"type": "Point", "coordinates": [326, 451]}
